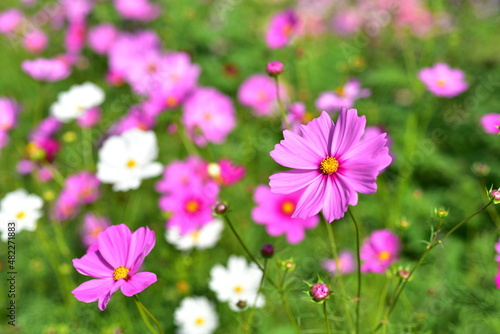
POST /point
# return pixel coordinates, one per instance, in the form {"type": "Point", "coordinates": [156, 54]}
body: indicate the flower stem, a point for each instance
{"type": "Point", "coordinates": [358, 255]}
{"type": "Point", "coordinates": [400, 287]}
{"type": "Point", "coordinates": [280, 104]}
{"type": "Point", "coordinates": [327, 322]}
{"type": "Point", "coordinates": [252, 311]}
{"type": "Point", "coordinates": [143, 311]}
{"type": "Point", "coordinates": [289, 312]}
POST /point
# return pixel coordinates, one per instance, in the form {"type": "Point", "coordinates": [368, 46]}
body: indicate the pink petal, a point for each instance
{"type": "Point", "coordinates": [297, 152]}
{"type": "Point", "coordinates": [104, 299]}
{"type": "Point", "coordinates": [348, 131]}
{"type": "Point", "coordinates": [319, 131]}
{"type": "Point", "coordinates": [92, 290]}
{"type": "Point", "coordinates": [114, 244]}
{"type": "Point", "coordinates": [292, 180]}
{"type": "Point", "coordinates": [138, 283]}
{"type": "Point", "coordinates": [312, 199]}
{"type": "Point", "coordinates": [92, 264]}
{"type": "Point", "coordinates": [141, 243]}
{"type": "Point", "coordinates": [335, 200]}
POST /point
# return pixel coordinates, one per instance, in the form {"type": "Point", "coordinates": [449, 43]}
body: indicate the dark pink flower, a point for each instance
{"type": "Point", "coordinates": [75, 37]}
{"type": "Point", "coordinates": [90, 117]}
{"type": "Point", "coordinates": [379, 251]}
{"type": "Point", "coordinates": [282, 28]}
{"type": "Point", "coordinates": [115, 265]}
{"type": "Point", "coordinates": [10, 20]}
{"type": "Point", "coordinates": [491, 123]}
{"type": "Point", "coordinates": [9, 111]}
{"type": "Point", "coordinates": [225, 172]}
{"type": "Point", "coordinates": [259, 93]}
{"type": "Point", "coordinates": [275, 211]}
{"type": "Point", "coordinates": [101, 37]}
{"type": "Point", "coordinates": [330, 164]}
{"type": "Point", "coordinates": [35, 41]}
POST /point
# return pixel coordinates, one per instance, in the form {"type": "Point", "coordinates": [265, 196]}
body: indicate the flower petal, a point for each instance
{"type": "Point", "coordinates": [138, 283]}
{"type": "Point", "coordinates": [142, 242]}
{"type": "Point", "coordinates": [114, 244]}
{"type": "Point", "coordinates": [92, 290]}
{"type": "Point", "coordinates": [320, 132]}
{"type": "Point", "coordinates": [94, 265]}
{"type": "Point", "coordinates": [296, 152]}
{"type": "Point", "coordinates": [348, 131]}
{"type": "Point", "coordinates": [312, 199]}
{"type": "Point", "coordinates": [292, 180]}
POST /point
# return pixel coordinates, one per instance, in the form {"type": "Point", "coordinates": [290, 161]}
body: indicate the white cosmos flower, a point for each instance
{"type": "Point", "coordinates": [73, 103]}
{"type": "Point", "coordinates": [127, 159]}
{"type": "Point", "coordinates": [205, 237]}
{"type": "Point", "coordinates": [238, 282]}
{"type": "Point", "coordinates": [22, 208]}
{"type": "Point", "coordinates": [196, 315]}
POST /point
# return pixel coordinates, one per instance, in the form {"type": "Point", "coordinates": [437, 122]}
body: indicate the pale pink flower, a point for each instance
{"type": "Point", "coordinates": [441, 80]}
{"type": "Point", "coordinates": [259, 93]}
{"type": "Point", "coordinates": [282, 28]}
{"type": "Point", "coordinates": [379, 251]}
{"type": "Point", "coordinates": [491, 123]}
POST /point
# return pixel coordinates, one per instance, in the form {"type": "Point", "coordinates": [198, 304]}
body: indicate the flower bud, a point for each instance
{"type": "Point", "coordinates": [480, 169]}
{"type": "Point", "coordinates": [289, 265]}
{"type": "Point", "coordinates": [267, 251]}
{"type": "Point", "coordinates": [441, 212]}
{"type": "Point", "coordinates": [319, 291]}
{"type": "Point", "coordinates": [241, 304]}
{"type": "Point", "coordinates": [494, 195]}
{"type": "Point", "coordinates": [274, 68]}
{"type": "Point", "coordinates": [403, 273]}
{"type": "Point", "coordinates": [220, 208]}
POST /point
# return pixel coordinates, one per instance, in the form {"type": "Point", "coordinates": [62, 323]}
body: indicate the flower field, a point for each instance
{"type": "Point", "coordinates": [233, 166]}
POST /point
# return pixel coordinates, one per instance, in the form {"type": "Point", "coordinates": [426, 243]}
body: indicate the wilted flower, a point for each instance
{"type": "Point", "coordinates": [115, 265]}
{"type": "Point", "coordinates": [331, 164]}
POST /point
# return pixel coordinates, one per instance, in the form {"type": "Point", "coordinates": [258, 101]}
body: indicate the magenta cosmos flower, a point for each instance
{"type": "Point", "coordinates": [275, 211]}
{"type": "Point", "coordinates": [115, 265]}
{"type": "Point", "coordinates": [491, 123]}
{"type": "Point", "coordinates": [282, 28]}
{"type": "Point", "coordinates": [379, 251]}
{"type": "Point", "coordinates": [441, 80]}
{"type": "Point", "coordinates": [331, 164]}
{"type": "Point", "coordinates": [259, 93]}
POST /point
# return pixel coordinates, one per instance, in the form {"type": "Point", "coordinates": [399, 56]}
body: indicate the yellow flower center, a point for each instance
{"type": "Point", "coordinates": [441, 83]}
{"type": "Point", "coordinates": [207, 116]}
{"type": "Point", "coordinates": [340, 91]}
{"type": "Point", "coordinates": [21, 215]}
{"type": "Point", "coordinates": [192, 206]}
{"type": "Point", "coordinates": [199, 321]}
{"type": "Point", "coordinates": [238, 289]}
{"type": "Point", "coordinates": [171, 101]}
{"type": "Point", "coordinates": [95, 231]}
{"type": "Point", "coordinates": [329, 165]}
{"type": "Point", "coordinates": [120, 272]}
{"type": "Point", "coordinates": [287, 29]}
{"type": "Point", "coordinates": [384, 255]}
{"type": "Point", "coordinates": [195, 235]}
{"type": "Point", "coordinates": [131, 163]}
{"type": "Point", "coordinates": [287, 207]}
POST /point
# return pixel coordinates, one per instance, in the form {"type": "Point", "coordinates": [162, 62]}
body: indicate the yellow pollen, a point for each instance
{"type": "Point", "coordinates": [151, 68]}
{"type": "Point", "coordinates": [120, 272]}
{"type": "Point", "coordinates": [95, 231]}
{"type": "Point", "coordinates": [287, 29]}
{"type": "Point", "coordinates": [288, 207]}
{"type": "Point", "coordinates": [207, 116]}
{"type": "Point", "coordinates": [340, 91]}
{"type": "Point", "coordinates": [441, 83]}
{"type": "Point", "coordinates": [21, 215]}
{"type": "Point", "coordinates": [195, 235]}
{"type": "Point", "coordinates": [80, 108]}
{"type": "Point", "coordinates": [131, 163]}
{"type": "Point", "coordinates": [329, 165]}
{"type": "Point", "coordinates": [238, 289]}
{"type": "Point", "coordinates": [384, 255]}
{"type": "Point", "coordinates": [192, 206]}
{"type": "Point", "coordinates": [199, 321]}
{"type": "Point", "coordinates": [171, 101]}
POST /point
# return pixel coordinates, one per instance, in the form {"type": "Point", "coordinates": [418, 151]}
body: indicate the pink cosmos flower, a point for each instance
{"type": "Point", "coordinates": [490, 123]}
{"type": "Point", "coordinates": [92, 226]}
{"type": "Point", "coordinates": [282, 28]}
{"type": "Point", "coordinates": [115, 265]}
{"type": "Point", "coordinates": [10, 20]}
{"type": "Point", "coordinates": [497, 249]}
{"type": "Point", "coordinates": [77, 10]}
{"type": "Point", "coordinates": [35, 41]}
{"type": "Point", "coordinates": [296, 116]}
{"type": "Point", "coordinates": [75, 37]}
{"type": "Point", "coordinates": [379, 251]}
{"type": "Point", "coordinates": [342, 97]}
{"type": "Point", "coordinates": [331, 164]}
{"type": "Point", "coordinates": [89, 118]}
{"type": "Point", "coordinates": [346, 264]}
{"type": "Point", "coordinates": [66, 207]}
{"type": "Point", "coordinates": [101, 37]}
{"type": "Point", "coordinates": [208, 116]}
{"type": "Point", "coordinates": [275, 211]}
{"type": "Point", "coordinates": [225, 172]}
{"type": "Point", "coordinates": [25, 166]}
{"type": "Point", "coordinates": [191, 207]}
{"type": "Point", "coordinates": [347, 22]}
{"type": "Point", "coordinates": [135, 118]}
{"type": "Point", "coordinates": [45, 174]}
{"type": "Point", "coordinates": [140, 10]}
{"type": "Point", "coordinates": [183, 174]}
{"type": "Point", "coordinates": [47, 69]}
{"type": "Point", "coordinates": [83, 186]}
{"type": "Point", "coordinates": [45, 129]}
{"type": "Point", "coordinates": [9, 111]}
{"type": "Point", "coordinates": [259, 93]}
{"type": "Point", "coordinates": [441, 80]}
{"type": "Point", "coordinates": [497, 277]}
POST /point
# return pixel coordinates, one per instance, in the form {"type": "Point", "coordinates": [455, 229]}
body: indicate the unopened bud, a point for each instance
{"type": "Point", "coordinates": [403, 273]}
{"type": "Point", "coordinates": [241, 304]}
{"type": "Point", "coordinates": [289, 265]}
{"type": "Point", "coordinates": [274, 68]}
{"type": "Point", "coordinates": [319, 291]}
{"type": "Point", "coordinates": [441, 213]}
{"type": "Point", "coordinates": [220, 208]}
{"type": "Point", "coordinates": [267, 251]}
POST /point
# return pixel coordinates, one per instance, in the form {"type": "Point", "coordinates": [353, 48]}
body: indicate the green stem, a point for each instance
{"type": "Point", "coordinates": [289, 312]}
{"type": "Point", "coordinates": [252, 311]}
{"type": "Point", "coordinates": [282, 110]}
{"type": "Point", "coordinates": [327, 321]}
{"type": "Point", "coordinates": [403, 282]}
{"type": "Point", "coordinates": [88, 154]}
{"type": "Point", "coordinates": [358, 255]}
{"type": "Point", "coordinates": [143, 311]}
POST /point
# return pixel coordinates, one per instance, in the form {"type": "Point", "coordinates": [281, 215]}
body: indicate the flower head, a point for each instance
{"type": "Point", "coordinates": [491, 123]}
{"type": "Point", "coordinates": [115, 265]}
{"type": "Point", "coordinates": [238, 282]}
{"type": "Point", "coordinates": [47, 69]}
{"type": "Point", "coordinates": [319, 291]}
{"type": "Point", "coordinates": [441, 80]}
{"type": "Point", "coordinates": [282, 28]}
{"type": "Point", "coordinates": [92, 226]}
{"type": "Point", "coordinates": [275, 211]}
{"type": "Point", "coordinates": [9, 111]}
{"type": "Point", "coordinates": [342, 97]}
{"type": "Point", "coordinates": [273, 68]}
{"type": "Point", "coordinates": [201, 238]}
{"type": "Point", "coordinates": [22, 208]}
{"type": "Point", "coordinates": [73, 103]}
{"type": "Point", "coordinates": [196, 315]}
{"type": "Point", "coordinates": [345, 264]}
{"type": "Point", "coordinates": [126, 160]}
{"type": "Point", "coordinates": [259, 93]}
{"type": "Point", "coordinates": [379, 251]}
{"type": "Point", "coordinates": [331, 164]}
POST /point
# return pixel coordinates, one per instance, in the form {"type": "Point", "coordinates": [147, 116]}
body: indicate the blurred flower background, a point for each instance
{"type": "Point", "coordinates": [150, 113]}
